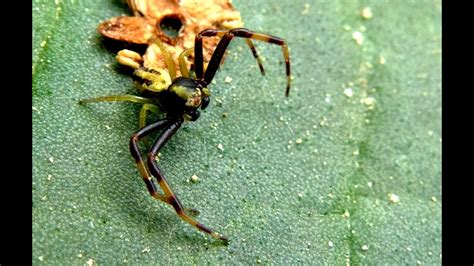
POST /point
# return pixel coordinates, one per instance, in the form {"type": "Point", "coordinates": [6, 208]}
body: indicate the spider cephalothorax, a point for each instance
{"type": "Point", "coordinates": [181, 98]}
{"type": "Point", "coordinates": [184, 96]}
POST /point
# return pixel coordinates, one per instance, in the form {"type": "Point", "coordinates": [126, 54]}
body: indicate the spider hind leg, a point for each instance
{"type": "Point", "coordinates": [183, 213]}
{"type": "Point", "coordinates": [151, 169]}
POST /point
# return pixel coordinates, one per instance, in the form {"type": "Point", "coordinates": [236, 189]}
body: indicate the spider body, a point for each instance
{"type": "Point", "coordinates": [180, 98]}
{"type": "Point", "coordinates": [183, 97]}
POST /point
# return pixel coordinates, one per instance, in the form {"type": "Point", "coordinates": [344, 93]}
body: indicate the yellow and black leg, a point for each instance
{"type": "Point", "coordinates": [143, 113]}
{"type": "Point", "coordinates": [219, 33]}
{"type": "Point", "coordinates": [151, 169]}
{"type": "Point", "coordinates": [134, 150]}
{"type": "Point", "coordinates": [224, 43]}
{"type": "Point", "coordinates": [158, 174]}
{"type": "Point", "coordinates": [117, 98]}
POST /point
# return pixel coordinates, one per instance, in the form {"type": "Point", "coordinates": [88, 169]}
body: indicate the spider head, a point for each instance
{"type": "Point", "coordinates": [192, 93]}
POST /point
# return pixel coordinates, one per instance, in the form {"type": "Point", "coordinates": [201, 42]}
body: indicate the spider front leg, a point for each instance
{"type": "Point", "coordinates": [198, 56]}
{"type": "Point", "coordinates": [224, 43]}
{"type": "Point", "coordinates": [158, 174]}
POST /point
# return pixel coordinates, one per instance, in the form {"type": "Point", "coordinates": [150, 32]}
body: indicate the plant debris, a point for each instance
{"type": "Point", "coordinates": [152, 19]}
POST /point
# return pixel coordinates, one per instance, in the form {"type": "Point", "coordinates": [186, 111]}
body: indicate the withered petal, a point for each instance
{"type": "Point", "coordinates": [136, 30]}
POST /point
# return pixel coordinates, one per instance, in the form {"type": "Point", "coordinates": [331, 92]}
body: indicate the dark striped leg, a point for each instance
{"type": "Point", "coordinates": [145, 173]}
{"type": "Point", "coordinates": [212, 33]}
{"type": "Point", "coordinates": [156, 172]}
{"type": "Point", "coordinates": [255, 54]}
{"type": "Point", "coordinates": [134, 150]}
{"type": "Point", "coordinates": [224, 43]}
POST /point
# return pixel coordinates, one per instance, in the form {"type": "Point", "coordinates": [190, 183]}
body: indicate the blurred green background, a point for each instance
{"type": "Point", "coordinates": [344, 171]}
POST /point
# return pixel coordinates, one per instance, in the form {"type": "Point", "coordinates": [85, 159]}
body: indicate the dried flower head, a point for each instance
{"type": "Point", "coordinates": [151, 17]}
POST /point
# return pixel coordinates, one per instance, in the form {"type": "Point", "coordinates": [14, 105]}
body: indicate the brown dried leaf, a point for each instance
{"type": "Point", "coordinates": [194, 16]}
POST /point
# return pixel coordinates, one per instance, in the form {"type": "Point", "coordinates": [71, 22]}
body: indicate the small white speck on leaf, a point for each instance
{"type": "Point", "coordinates": [330, 243]}
{"type": "Point", "coordinates": [367, 13]}
{"type": "Point", "coordinates": [108, 127]}
{"type": "Point", "coordinates": [299, 141]}
{"type": "Point", "coordinates": [356, 152]}
{"type": "Point", "coordinates": [305, 9]}
{"type": "Point", "coordinates": [394, 198]}
{"type": "Point", "coordinates": [323, 121]}
{"type": "Point", "coordinates": [346, 214]}
{"type": "Point", "coordinates": [430, 133]}
{"type": "Point", "coordinates": [146, 249]}
{"type": "Point", "coordinates": [43, 43]}
{"type": "Point", "coordinates": [49, 177]}
{"type": "Point", "coordinates": [79, 255]}
{"type": "Point", "coordinates": [365, 247]}
{"type": "Point", "coordinates": [348, 92]}
{"type": "Point", "coordinates": [300, 195]}
{"type": "Point", "coordinates": [220, 147]}
{"type": "Point", "coordinates": [370, 184]}
{"type": "Point", "coordinates": [382, 60]}
{"type": "Point", "coordinates": [51, 159]}
{"type": "Point", "coordinates": [358, 37]}
{"type": "Point", "coordinates": [369, 101]}
{"type": "Point", "coordinates": [347, 27]}
{"type": "Point", "coordinates": [41, 258]}
{"type": "Point", "coordinates": [227, 79]}
{"type": "Point", "coordinates": [90, 262]}
{"type": "Point", "coordinates": [433, 199]}
{"type": "Point", "coordinates": [194, 178]}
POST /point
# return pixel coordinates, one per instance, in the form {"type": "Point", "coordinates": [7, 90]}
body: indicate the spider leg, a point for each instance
{"type": "Point", "coordinates": [147, 177]}
{"type": "Point", "coordinates": [173, 200]}
{"type": "Point", "coordinates": [224, 43]}
{"type": "Point", "coordinates": [182, 63]}
{"type": "Point", "coordinates": [117, 98]}
{"type": "Point", "coordinates": [255, 54]}
{"type": "Point", "coordinates": [143, 112]}
{"type": "Point", "coordinates": [168, 59]}
{"type": "Point", "coordinates": [198, 56]}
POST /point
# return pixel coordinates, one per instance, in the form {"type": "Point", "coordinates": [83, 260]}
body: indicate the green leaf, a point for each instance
{"type": "Point", "coordinates": [312, 179]}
